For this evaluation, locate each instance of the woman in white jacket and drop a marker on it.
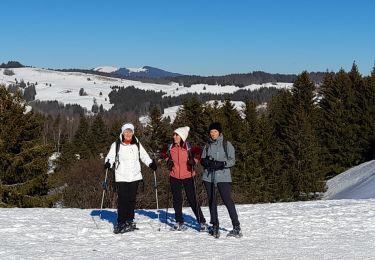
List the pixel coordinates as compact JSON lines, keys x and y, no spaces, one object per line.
{"x":126,"y":162}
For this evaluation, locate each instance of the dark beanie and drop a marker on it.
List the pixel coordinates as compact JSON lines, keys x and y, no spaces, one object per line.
{"x":216,"y":126}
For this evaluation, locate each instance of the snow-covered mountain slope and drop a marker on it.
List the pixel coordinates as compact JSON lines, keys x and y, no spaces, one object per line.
{"x":146,"y":71}
{"x":355,"y":183}
{"x":64,"y":86}
{"x":106,"y":69}
{"x":171,"y":112}
{"x":343,"y":229}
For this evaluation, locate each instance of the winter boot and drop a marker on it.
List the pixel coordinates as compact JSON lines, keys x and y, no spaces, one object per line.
{"x":236,"y":232}
{"x":179,"y":226}
{"x":214,"y":231}
{"x":118,"y":228}
{"x":129,"y":226}
{"x":202,"y":227}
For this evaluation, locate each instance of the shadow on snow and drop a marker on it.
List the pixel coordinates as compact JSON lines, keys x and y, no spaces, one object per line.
{"x":170,"y":220}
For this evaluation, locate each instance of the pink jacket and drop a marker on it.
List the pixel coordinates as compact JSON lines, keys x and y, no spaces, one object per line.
{"x":179,"y":155}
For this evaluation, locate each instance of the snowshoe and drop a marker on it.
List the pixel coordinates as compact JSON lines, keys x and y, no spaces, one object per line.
{"x":179,"y":227}
{"x":118,"y":228}
{"x":214,"y":231}
{"x":121,"y":228}
{"x":202,"y":227}
{"x":236,"y":232}
{"x":129,"y":226}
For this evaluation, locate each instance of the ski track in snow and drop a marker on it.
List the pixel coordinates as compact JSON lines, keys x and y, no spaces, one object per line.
{"x":334,"y":229}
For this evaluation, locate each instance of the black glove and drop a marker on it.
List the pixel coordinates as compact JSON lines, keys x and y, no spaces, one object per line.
{"x":206,"y":163}
{"x":153,"y":165}
{"x":170,"y":164}
{"x":107,"y":165}
{"x":218,"y":165}
{"x":191,"y":162}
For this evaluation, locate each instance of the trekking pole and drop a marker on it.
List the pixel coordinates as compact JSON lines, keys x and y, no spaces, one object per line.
{"x":157,"y":200}
{"x":105,"y":186}
{"x":166,"y":212}
{"x":196,"y":197}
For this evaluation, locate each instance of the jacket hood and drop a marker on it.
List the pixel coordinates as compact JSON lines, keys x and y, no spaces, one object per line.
{"x":220,"y":138}
{"x":133,"y":141}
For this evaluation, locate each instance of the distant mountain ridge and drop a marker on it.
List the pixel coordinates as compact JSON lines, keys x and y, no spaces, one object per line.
{"x":148,"y":74}
{"x":146,"y":71}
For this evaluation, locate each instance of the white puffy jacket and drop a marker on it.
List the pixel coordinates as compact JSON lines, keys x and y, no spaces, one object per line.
{"x":128,"y":168}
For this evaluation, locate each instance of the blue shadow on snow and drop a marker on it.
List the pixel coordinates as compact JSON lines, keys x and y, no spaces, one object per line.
{"x":170,"y":220}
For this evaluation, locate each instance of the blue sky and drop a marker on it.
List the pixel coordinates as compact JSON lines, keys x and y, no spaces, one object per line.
{"x":191,"y":37}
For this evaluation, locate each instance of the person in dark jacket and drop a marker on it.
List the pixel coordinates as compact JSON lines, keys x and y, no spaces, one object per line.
{"x":126,"y":162}
{"x":181,"y":157}
{"x":218,"y":157}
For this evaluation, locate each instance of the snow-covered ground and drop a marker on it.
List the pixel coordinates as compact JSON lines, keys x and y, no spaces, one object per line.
{"x":65,"y":86}
{"x":325,"y":229}
{"x":333,"y":229}
{"x":355,"y":183}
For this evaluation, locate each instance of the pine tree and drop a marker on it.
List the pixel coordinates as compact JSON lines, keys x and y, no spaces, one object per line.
{"x":363,"y":112}
{"x":192,"y":114}
{"x":231,"y":121}
{"x":98,"y":136}
{"x":250,"y":178}
{"x":370,"y":118}
{"x":23,"y":157}
{"x":301,"y":141}
{"x":158,"y":131}
{"x":303,"y":162}
{"x":338,"y":125}
{"x":276,"y":187}
{"x":81,"y":140}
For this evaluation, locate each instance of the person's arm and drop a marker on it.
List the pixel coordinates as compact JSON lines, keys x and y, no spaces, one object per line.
{"x":111,"y":156}
{"x":145,"y":158}
{"x":231,"y":160}
{"x":196,"y":152}
{"x":164,"y":152}
{"x":205,"y":162}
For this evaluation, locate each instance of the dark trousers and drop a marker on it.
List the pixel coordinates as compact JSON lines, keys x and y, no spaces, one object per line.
{"x":176,"y":188}
{"x":126,"y":192}
{"x":225,"y":190}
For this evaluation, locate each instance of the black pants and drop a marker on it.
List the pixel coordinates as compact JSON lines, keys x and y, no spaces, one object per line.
{"x":225,"y":190}
{"x":126,"y":192}
{"x":176,"y":188}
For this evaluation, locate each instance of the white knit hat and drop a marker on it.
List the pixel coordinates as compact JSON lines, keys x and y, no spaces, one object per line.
{"x":127,"y":126}
{"x":183,"y":132}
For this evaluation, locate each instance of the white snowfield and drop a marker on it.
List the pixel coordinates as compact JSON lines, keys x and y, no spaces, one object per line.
{"x":106,"y":69}
{"x":65,"y":86}
{"x":355,"y":183}
{"x":333,"y":229}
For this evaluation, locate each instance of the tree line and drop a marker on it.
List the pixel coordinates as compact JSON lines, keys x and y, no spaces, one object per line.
{"x":285,"y":152}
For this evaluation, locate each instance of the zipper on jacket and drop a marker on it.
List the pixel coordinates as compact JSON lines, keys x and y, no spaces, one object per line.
{"x":179,"y":166}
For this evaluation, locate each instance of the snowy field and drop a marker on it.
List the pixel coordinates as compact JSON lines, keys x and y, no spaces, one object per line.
{"x":332,"y":229}
{"x":65,"y":86}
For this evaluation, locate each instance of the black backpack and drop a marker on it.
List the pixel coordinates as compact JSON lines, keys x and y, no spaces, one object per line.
{"x":225,"y":147}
